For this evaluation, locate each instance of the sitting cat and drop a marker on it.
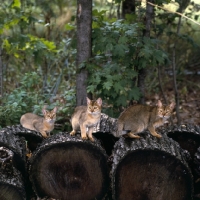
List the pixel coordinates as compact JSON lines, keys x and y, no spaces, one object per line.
{"x":137,"y":118}
{"x":43,"y":125}
{"x":85,"y":118}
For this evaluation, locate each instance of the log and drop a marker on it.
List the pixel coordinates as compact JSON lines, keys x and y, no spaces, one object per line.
{"x":66,"y":167}
{"x":197,"y":174}
{"x":188,"y":137}
{"x":11,"y":180}
{"x":150,"y":168}
{"x":17,"y":145}
{"x":33,"y":138}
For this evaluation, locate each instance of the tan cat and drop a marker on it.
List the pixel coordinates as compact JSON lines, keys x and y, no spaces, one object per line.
{"x":43,"y":125}
{"x":137,"y":118}
{"x":85,"y":117}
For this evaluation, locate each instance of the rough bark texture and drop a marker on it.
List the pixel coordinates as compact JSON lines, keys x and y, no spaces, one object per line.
{"x":66,"y":167}
{"x":84,"y":47}
{"x":33,"y":138}
{"x":17,"y":145}
{"x":11,"y":181}
{"x":150,"y":168}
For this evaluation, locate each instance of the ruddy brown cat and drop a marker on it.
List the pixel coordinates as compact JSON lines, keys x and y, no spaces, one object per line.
{"x":85,"y":118}
{"x":43,"y":125}
{"x":137,"y":118}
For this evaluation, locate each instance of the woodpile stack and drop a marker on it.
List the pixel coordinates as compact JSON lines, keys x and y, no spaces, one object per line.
{"x":68,"y":168}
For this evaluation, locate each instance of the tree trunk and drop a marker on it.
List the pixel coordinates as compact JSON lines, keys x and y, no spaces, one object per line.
{"x":128,"y":7}
{"x":150,"y":168}
{"x":66,"y":167}
{"x":142,"y":73}
{"x":84,"y":48}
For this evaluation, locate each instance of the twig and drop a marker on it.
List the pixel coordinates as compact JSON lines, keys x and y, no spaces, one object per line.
{"x":174,"y":12}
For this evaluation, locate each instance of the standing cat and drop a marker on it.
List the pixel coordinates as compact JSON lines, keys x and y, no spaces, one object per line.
{"x":137,"y":118}
{"x":85,"y":117}
{"x":43,"y":125}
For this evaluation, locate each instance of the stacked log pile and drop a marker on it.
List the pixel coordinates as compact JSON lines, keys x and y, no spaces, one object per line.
{"x":66,"y":167}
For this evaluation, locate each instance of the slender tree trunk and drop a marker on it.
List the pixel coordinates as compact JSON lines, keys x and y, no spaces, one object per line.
{"x":143,"y":72}
{"x":128,"y":7}
{"x":84,"y":49}
{"x":1,"y":74}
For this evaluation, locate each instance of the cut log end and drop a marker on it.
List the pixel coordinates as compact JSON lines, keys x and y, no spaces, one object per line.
{"x":10,"y":192}
{"x":144,"y":174}
{"x":74,"y":169}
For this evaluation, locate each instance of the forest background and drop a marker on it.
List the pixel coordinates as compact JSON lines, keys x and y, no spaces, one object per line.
{"x":140,"y":52}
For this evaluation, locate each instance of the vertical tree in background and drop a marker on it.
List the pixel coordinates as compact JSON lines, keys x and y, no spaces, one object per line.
{"x":146,"y":33}
{"x":84,"y":49}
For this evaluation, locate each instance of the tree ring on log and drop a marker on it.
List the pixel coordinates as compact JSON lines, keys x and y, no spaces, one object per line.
{"x":150,"y":168}
{"x":66,"y":167}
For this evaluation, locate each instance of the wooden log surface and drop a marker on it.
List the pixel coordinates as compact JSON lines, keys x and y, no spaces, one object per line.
{"x":17,"y":145}
{"x":11,"y":180}
{"x":188,"y":137}
{"x":66,"y":167}
{"x":151,"y":168}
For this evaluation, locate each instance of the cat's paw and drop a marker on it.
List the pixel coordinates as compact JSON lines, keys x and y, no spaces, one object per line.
{"x":72,"y":133}
{"x":84,"y":137}
{"x":158,"y":135}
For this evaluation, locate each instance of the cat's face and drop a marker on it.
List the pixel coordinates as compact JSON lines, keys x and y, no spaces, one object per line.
{"x":50,"y":116}
{"x":94,"y":107}
{"x":164,"y":111}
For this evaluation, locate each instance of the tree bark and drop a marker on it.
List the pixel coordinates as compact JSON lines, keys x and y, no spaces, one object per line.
{"x":66,"y":167}
{"x":11,"y":180}
{"x":84,"y":48}
{"x":150,"y":168}
{"x":142,"y":73}
{"x":128,"y":7}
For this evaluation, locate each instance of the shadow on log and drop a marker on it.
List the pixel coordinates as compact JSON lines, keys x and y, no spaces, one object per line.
{"x":150,"y":168}
{"x":66,"y":167}
{"x":11,"y":181}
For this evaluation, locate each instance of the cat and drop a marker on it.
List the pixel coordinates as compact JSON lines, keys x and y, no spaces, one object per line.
{"x":43,"y":125}
{"x":138,"y":117}
{"x":85,"y":118}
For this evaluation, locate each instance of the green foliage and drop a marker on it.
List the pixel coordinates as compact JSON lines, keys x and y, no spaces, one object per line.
{"x":120,"y":52}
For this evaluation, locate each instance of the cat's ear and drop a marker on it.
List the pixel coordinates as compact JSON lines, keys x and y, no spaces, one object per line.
{"x":55,"y":109}
{"x":88,"y":100}
{"x":172,"y":105}
{"x":159,"y":104}
{"x":44,"y":111}
{"x":99,"y":101}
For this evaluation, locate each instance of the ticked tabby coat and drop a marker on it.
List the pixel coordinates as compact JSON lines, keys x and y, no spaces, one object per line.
{"x":44,"y":125}
{"x":85,"y":118}
{"x":137,"y":118}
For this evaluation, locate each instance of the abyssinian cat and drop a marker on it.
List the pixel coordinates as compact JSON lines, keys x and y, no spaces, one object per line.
{"x":85,"y":118}
{"x":137,"y":118}
{"x":43,"y":125}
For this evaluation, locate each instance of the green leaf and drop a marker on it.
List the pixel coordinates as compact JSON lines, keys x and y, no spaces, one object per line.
{"x":69,"y":27}
{"x":16,"y":4}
